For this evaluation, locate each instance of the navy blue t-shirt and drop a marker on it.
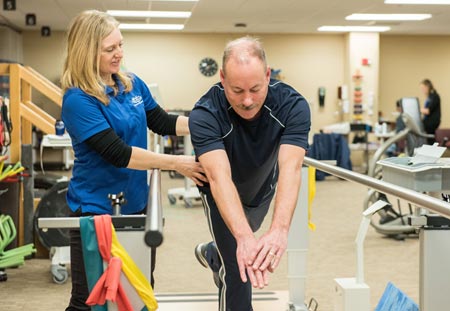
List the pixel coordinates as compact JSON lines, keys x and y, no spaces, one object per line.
{"x":93,"y":178}
{"x":252,"y":146}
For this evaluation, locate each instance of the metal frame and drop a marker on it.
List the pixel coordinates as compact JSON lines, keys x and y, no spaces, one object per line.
{"x":429,"y":248}
{"x":414,"y":197}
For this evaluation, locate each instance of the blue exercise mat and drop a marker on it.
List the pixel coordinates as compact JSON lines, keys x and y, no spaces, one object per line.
{"x":394,"y":299}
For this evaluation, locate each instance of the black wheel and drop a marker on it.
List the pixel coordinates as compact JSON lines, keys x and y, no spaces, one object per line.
{"x":172,"y":199}
{"x":53,"y":204}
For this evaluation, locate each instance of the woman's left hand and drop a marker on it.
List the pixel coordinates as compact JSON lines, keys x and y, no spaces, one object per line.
{"x":187,"y":166}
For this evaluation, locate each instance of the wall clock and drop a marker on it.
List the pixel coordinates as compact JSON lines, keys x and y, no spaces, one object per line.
{"x":208,"y":67}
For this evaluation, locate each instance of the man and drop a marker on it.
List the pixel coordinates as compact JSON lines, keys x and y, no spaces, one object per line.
{"x":249,"y":133}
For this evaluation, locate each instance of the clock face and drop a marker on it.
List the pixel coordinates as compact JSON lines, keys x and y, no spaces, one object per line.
{"x":208,"y":67}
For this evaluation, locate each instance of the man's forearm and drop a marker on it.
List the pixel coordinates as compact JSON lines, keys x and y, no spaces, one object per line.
{"x":290,"y":162}
{"x":286,"y":200}
{"x":230,"y":206}
{"x":225,"y":194}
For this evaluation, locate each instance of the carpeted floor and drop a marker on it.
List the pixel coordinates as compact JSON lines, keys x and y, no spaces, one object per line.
{"x":336,"y":213}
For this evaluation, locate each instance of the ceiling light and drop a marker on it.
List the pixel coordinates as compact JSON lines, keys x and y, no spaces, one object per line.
{"x":171,"y":0}
{"x":151,"y":26}
{"x":442,"y":2}
{"x":354,"y":28}
{"x":388,"y":17}
{"x":147,"y":14}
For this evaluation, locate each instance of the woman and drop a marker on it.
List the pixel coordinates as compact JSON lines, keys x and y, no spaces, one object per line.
{"x":431,"y":110}
{"x":106,"y":113}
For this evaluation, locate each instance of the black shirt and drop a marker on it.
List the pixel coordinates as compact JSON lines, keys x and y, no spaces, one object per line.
{"x":252,"y":146}
{"x":433,"y":119}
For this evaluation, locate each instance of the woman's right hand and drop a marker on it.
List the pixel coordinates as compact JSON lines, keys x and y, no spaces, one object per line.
{"x":187,"y":166}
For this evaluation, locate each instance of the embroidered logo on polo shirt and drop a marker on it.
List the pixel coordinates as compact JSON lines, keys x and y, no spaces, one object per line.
{"x":137,"y":100}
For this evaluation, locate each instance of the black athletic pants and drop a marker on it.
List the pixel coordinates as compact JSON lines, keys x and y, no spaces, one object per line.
{"x":234,"y":295}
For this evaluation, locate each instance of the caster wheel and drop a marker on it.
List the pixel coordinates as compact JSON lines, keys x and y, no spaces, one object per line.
{"x":60,"y":275}
{"x":3,"y":276}
{"x":172,"y":199}
{"x":188,"y":203}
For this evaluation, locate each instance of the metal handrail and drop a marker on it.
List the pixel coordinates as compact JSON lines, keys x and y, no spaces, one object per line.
{"x":154,"y":222}
{"x":153,"y":235}
{"x":414,"y":197}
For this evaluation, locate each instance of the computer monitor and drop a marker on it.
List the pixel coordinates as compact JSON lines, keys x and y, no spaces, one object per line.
{"x":411,"y":107}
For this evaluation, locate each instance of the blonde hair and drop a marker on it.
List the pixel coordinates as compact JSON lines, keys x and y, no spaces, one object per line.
{"x":243,"y":48}
{"x":82,"y":64}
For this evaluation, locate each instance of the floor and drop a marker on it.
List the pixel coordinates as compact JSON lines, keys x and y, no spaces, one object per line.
{"x":336,"y":213}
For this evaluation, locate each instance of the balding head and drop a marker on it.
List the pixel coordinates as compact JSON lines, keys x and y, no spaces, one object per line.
{"x":242,"y":50}
{"x":245,"y":76}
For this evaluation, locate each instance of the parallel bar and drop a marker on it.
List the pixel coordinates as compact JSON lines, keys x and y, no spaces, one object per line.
{"x":120,"y":222}
{"x":425,"y":201}
{"x":154,"y":222}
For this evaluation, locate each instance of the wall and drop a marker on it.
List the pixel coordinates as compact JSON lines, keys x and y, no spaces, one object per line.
{"x":11,"y":45}
{"x":45,"y":54}
{"x":171,"y":61}
{"x":359,"y":46}
{"x":407,"y":60}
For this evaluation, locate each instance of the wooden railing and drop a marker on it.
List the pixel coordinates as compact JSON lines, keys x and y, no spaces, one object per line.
{"x":24,"y":113}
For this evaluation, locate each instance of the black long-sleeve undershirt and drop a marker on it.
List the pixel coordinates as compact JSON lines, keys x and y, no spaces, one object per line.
{"x":116,"y":152}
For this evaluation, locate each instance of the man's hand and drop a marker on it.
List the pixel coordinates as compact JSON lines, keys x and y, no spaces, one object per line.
{"x":247,"y":249}
{"x":272,"y":246}
{"x":245,"y":254}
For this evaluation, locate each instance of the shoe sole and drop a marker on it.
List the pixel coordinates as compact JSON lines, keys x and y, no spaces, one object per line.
{"x":198,"y":254}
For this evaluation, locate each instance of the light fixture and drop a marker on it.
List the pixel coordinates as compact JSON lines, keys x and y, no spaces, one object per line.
{"x":151,"y":26}
{"x":170,"y":0}
{"x":354,"y":28}
{"x":388,"y":17}
{"x":149,"y":14}
{"x":430,"y":2}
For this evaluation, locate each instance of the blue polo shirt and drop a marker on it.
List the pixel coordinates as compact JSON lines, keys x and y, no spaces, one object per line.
{"x":93,"y":178}
{"x":252,"y":146}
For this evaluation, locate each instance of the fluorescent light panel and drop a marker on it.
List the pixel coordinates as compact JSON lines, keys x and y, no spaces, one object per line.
{"x":438,"y":2}
{"x":151,"y":26}
{"x":388,"y":17}
{"x":354,"y":28}
{"x":170,"y":0}
{"x":151,"y":14}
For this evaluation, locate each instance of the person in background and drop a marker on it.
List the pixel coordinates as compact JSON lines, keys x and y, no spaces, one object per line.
{"x":106,"y":113}
{"x":432,"y":109}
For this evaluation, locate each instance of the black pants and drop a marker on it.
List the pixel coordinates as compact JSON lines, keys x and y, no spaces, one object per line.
{"x":80,"y":291}
{"x":234,"y":295}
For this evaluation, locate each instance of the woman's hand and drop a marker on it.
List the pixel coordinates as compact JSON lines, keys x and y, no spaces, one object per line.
{"x":187,"y":166}
{"x":425,"y":111}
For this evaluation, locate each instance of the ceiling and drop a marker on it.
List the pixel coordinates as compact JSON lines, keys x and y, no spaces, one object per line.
{"x":261,"y":16}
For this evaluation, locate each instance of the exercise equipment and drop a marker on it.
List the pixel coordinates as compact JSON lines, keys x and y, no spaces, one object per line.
{"x":135,"y":232}
{"x":393,"y":222}
{"x":56,"y":240}
{"x":353,"y":294}
{"x":427,"y":172}
{"x":13,"y":257}
{"x":434,"y":232}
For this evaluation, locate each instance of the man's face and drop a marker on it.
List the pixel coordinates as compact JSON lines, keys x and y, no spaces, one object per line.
{"x":246,"y":85}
